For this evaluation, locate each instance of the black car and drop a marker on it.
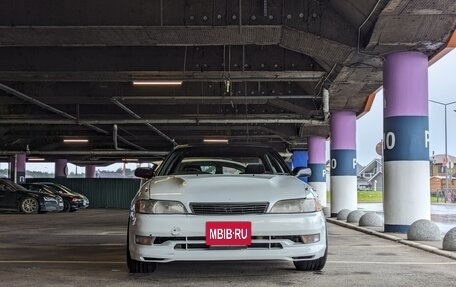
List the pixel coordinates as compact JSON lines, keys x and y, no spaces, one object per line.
{"x":16,"y":197}
{"x":81,"y":200}
{"x":71,"y":202}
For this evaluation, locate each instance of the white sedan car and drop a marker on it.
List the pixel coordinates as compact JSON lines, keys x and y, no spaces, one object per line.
{"x":224,"y":202}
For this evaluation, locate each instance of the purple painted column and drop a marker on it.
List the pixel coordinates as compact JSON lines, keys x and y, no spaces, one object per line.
{"x":343,"y":162}
{"x":317,"y":163}
{"x":61,"y":168}
{"x":19,"y":168}
{"x":406,"y":140}
{"x":90,"y":171}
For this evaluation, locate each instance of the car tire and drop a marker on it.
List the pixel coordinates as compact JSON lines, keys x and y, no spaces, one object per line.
{"x":29,"y":205}
{"x":313,"y":265}
{"x":66,"y":207}
{"x":135,"y":266}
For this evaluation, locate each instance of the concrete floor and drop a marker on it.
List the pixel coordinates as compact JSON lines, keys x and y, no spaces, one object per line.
{"x":87,"y":248}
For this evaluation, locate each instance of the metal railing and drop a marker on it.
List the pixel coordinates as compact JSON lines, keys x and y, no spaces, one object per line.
{"x":446,"y":195}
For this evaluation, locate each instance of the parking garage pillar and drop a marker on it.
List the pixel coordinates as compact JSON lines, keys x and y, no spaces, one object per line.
{"x":18,"y":168}
{"x":61,"y":168}
{"x":343,"y":162}
{"x":300,"y":159}
{"x":90,"y":171}
{"x":317,"y":163}
{"x":406,"y":140}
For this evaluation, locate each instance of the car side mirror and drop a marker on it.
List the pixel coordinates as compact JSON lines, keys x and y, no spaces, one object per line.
{"x":302,"y":171}
{"x":145,"y":172}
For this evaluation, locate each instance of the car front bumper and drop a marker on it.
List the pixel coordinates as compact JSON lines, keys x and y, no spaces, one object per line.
{"x":83,"y":203}
{"x":184,"y":238}
{"x":47,"y":206}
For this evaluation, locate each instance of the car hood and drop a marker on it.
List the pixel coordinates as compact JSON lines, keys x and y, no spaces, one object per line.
{"x":227,"y":188}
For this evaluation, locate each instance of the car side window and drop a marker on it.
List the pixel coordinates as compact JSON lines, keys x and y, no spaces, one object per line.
{"x":2,"y":186}
{"x":5,"y":187}
{"x":276,"y":166}
{"x":209,"y":169}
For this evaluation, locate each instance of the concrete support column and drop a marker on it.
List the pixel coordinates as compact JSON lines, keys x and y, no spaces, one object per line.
{"x":90,"y":171}
{"x":61,"y":168}
{"x":317,"y":163}
{"x":300,"y":159}
{"x":18,"y":168}
{"x":406,"y":140}
{"x":343,"y":162}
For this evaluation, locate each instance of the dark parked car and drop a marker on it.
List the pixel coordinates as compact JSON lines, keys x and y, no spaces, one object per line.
{"x":15,"y":197}
{"x":82,"y":201}
{"x":71,"y":202}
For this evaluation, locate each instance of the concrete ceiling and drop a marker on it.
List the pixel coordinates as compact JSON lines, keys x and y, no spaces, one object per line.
{"x":252,"y":71}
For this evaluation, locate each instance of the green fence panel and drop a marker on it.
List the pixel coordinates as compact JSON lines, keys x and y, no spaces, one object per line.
{"x":101,"y":192}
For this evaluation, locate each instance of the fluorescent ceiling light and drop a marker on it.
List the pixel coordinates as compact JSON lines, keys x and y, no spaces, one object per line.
{"x":35,"y":159}
{"x":75,"y":140}
{"x":130,"y":160}
{"x":215,"y":140}
{"x":147,"y":83}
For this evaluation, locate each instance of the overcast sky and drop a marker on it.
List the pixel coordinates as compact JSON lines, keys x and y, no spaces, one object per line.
{"x":442,"y":80}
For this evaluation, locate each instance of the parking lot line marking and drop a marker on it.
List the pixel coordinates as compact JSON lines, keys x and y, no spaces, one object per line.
{"x":122,"y":262}
{"x":392,"y":263}
{"x":59,"y":262}
{"x":89,"y":245}
{"x":365,"y":246}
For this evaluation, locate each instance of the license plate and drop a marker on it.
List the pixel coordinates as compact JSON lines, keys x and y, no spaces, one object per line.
{"x":228,"y":233}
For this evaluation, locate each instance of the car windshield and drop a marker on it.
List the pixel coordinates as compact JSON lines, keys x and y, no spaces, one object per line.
{"x":227,"y":160}
{"x":38,"y":188}
{"x":15,"y":186}
{"x":46,"y":190}
{"x":58,"y":188}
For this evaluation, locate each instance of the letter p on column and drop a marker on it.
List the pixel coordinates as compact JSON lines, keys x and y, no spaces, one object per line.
{"x":426,"y":139}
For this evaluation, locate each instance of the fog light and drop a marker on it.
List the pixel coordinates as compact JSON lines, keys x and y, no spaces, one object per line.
{"x":311,"y":238}
{"x":144,"y":240}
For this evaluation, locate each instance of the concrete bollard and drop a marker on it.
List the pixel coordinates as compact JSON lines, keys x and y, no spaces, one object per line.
{"x":354,"y":216}
{"x":342,"y":215}
{"x":326,"y":211}
{"x":371,"y":219}
{"x":449,"y":241}
{"x":423,"y":230}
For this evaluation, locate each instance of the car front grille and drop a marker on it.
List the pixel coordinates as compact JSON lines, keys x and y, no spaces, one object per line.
{"x":229,"y":208}
{"x":199,"y":242}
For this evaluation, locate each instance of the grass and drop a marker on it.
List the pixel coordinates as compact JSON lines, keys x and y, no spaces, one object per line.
{"x":371,"y":196}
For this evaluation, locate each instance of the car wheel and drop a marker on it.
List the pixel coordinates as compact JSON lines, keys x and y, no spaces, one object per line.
{"x":66,"y":207}
{"x":313,"y":265}
{"x":29,"y":205}
{"x":135,"y":266}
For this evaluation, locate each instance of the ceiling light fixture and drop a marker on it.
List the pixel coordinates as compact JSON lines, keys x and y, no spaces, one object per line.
{"x":129,"y":160}
{"x":36,"y":159}
{"x":163,"y":83}
{"x":75,"y":140}
{"x":215,"y":141}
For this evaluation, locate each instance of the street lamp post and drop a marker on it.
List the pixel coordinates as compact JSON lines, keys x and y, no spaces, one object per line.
{"x":447,"y":165}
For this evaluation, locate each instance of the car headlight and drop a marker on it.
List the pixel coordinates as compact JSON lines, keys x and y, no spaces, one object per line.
{"x":300,"y":205}
{"x":159,"y":207}
{"x":47,"y":198}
